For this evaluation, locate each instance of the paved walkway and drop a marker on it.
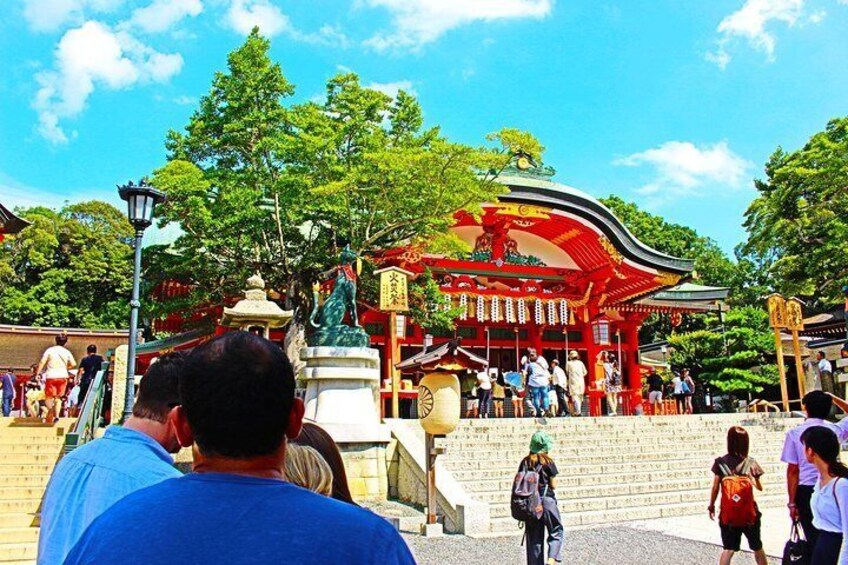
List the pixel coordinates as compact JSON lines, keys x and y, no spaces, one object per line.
{"x":615,"y":545}
{"x":775,"y":530}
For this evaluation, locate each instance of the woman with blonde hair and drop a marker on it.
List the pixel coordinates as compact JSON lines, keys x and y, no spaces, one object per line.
{"x":539,"y":461}
{"x":306,"y":468}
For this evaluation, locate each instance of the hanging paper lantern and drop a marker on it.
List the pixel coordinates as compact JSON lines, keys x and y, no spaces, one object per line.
{"x":563,"y":311}
{"x":552,"y":313}
{"x":439,"y":403}
{"x":510,"y":310}
{"x":539,"y":312}
{"x":481,"y":309}
{"x":522,"y":312}
{"x":463,"y":304}
{"x":496,"y":309}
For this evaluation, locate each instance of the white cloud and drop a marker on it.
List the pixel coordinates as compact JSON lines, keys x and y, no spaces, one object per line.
{"x":244,"y":15}
{"x":50,"y":15}
{"x":683,"y":168}
{"x":94,"y":54}
{"x":754,"y":22}
{"x":392,"y":88}
{"x":185,"y":100}
{"x":161,"y":15}
{"x":418,"y":22}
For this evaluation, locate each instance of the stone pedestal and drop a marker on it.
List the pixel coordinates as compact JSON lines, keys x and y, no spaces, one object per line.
{"x":342,"y":396}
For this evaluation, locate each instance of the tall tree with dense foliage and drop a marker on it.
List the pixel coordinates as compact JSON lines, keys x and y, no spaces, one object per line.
{"x":70,"y":268}
{"x":798,"y":225}
{"x":258,"y":185}
{"x":734,"y":359}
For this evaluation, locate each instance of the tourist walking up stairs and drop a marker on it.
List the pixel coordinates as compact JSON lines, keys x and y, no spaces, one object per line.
{"x":829,"y":501}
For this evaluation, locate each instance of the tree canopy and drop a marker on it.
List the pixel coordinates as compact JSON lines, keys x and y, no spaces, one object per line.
{"x":259,"y":185}
{"x":798,"y":225}
{"x":70,"y":268}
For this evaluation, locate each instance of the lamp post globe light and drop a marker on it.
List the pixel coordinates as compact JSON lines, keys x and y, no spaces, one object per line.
{"x":141,"y":200}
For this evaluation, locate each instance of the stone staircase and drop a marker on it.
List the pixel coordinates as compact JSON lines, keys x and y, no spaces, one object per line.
{"x":28,"y":452}
{"x":613,"y":469}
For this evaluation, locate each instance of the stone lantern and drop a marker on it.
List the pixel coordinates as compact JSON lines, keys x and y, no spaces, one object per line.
{"x":255,"y":310}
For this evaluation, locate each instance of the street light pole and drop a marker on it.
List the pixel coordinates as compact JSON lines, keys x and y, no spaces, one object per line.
{"x":135,"y":304}
{"x":141,"y":200}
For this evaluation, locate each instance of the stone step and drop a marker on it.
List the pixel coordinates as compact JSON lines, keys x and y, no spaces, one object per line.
{"x":471,"y":471}
{"x":18,"y":506}
{"x":18,"y":552}
{"x":499,"y":451}
{"x":576,"y":435}
{"x":626,"y":423}
{"x":622,"y":489}
{"x":54,"y":449}
{"x":21,"y":493}
{"x":566,"y":481}
{"x":24,"y":480}
{"x":17,"y":520}
{"x":498,"y":461}
{"x":18,"y":535}
{"x":30,"y":458}
{"x":34,"y":423}
{"x":505,"y":524}
{"x":31,"y":469}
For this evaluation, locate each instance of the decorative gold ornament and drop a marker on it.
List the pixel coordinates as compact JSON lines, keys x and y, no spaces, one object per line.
{"x":667,"y":279}
{"x":523,"y":163}
{"x":523,"y":211}
{"x":613,"y":253}
{"x":565,"y":236}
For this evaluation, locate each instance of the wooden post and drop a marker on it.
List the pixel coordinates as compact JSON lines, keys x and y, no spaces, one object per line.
{"x":799,"y":366}
{"x":430,"y":470}
{"x":778,"y":348}
{"x":392,"y":371}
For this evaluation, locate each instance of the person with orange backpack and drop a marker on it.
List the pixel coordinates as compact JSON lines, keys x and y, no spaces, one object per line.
{"x":736,"y":476}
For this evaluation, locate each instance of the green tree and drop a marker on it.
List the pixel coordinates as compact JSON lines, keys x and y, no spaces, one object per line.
{"x":798,"y":225}
{"x":70,"y":268}
{"x":258,"y":185}
{"x":738,"y":360}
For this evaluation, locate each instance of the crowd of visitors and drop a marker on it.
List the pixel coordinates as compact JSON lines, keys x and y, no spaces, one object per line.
{"x":232,"y":400}
{"x":56,"y":385}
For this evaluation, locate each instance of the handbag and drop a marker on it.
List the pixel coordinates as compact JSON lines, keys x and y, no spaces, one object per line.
{"x":797,"y":549}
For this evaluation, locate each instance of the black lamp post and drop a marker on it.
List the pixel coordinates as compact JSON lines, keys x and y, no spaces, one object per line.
{"x":141,"y":200}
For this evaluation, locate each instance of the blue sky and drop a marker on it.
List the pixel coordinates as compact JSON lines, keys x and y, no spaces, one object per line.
{"x":675,"y":104}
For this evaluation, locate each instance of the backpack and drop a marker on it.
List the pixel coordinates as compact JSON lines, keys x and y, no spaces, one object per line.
{"x":525,"y":501}
{"x":738,"y":508}
{"x":615,"y":379}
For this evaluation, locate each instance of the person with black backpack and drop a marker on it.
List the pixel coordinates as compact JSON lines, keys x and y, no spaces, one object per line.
{"x":735,"y":477}
{"x":534,"y":503}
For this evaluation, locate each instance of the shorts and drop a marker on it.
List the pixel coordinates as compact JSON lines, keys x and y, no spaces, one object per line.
{"x":731,"y":537}
{"x":35,"y":395}
{"x":472,"y":402}
{"x":498,"y":400}
{"x":55,"y":388}
{"x":655,"y":396}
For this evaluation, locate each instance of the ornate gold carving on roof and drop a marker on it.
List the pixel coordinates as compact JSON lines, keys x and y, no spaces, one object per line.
{"x":524,"y":211}
{"x":565,"y":236}
{"x":667,"y":279}
{"x":608,"y":246}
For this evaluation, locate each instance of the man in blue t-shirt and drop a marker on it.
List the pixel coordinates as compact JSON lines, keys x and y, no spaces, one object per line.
{"x":237,"y":410}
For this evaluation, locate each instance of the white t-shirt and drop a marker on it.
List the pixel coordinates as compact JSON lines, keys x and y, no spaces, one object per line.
{"x":483,"y":381}
{"x":793,"y":449}
{"x":57,"y":361}
{"x":825,"y":367}
{"x":830,"y":516}
{"x":559,"y":377}
{"x":539,"y":375}
{"x":678,"y":385}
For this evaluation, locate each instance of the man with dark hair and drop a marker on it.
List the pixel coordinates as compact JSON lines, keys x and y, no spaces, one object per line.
{"x":7,"y":383}
{"x":238,"y":411}
{"x":88,"y":368}
{"x":801,"y":476}
{"x":127,"y":458}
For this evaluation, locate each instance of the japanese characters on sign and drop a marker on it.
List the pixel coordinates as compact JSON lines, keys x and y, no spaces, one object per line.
{"x":394,"y":296}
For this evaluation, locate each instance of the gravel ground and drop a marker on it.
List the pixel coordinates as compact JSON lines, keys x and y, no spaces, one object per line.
{"x":598,"y":546}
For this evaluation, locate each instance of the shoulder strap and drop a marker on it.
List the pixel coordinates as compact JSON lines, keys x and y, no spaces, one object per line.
{"x":836,"y":498}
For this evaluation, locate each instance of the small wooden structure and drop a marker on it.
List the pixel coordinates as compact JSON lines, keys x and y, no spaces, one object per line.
{"x":438,"y":400}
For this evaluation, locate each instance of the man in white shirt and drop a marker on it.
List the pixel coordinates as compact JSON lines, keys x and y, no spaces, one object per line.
{"x":801,"y":476}
{"x":825,"y":370}
{"x":56,"y":362}
{"x":577,"y":372}
{"x":560,"y":382}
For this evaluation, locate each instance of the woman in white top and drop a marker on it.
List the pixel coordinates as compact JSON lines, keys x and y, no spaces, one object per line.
{"x":679,"y":397}
{"x":830,"y":496}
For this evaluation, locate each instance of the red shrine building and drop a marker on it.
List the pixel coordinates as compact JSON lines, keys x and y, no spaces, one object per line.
{"x":550,"y":268}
